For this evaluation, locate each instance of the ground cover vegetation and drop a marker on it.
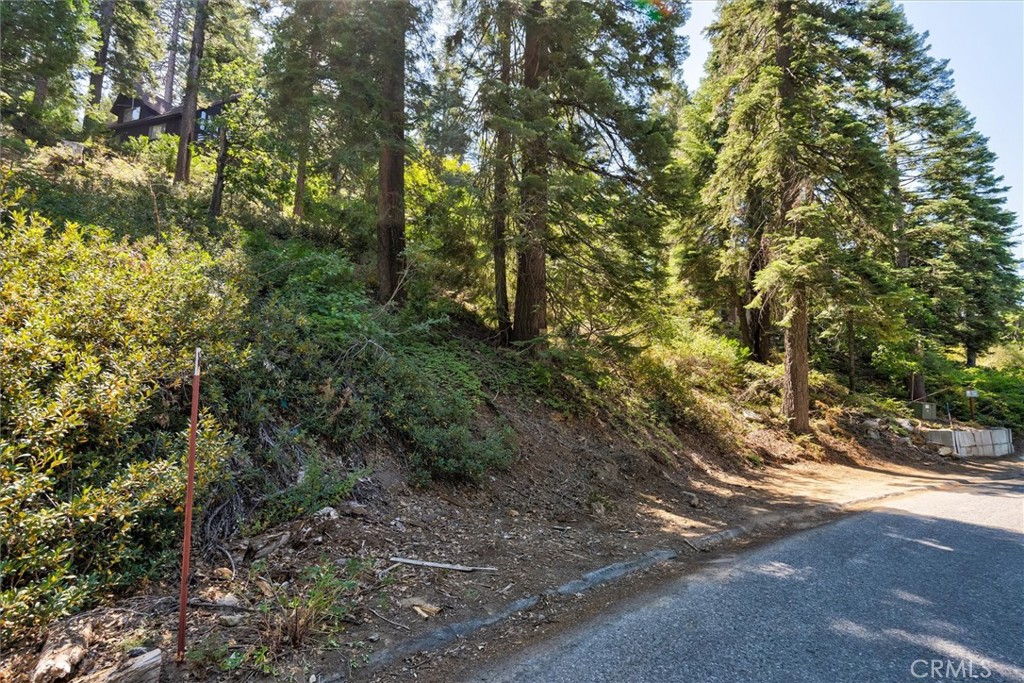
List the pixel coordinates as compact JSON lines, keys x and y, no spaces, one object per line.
{"x":414,"y":217}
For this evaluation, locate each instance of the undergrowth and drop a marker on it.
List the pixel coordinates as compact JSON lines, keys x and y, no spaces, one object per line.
{"x":110,"y":277}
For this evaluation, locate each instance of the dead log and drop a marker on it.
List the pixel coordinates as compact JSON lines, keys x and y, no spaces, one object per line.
{"x":142,"y":669}
{"x":442,"y":565}
{"x":63,"y":652}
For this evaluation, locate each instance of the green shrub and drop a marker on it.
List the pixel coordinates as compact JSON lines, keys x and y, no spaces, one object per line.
{"x":92,"y":330}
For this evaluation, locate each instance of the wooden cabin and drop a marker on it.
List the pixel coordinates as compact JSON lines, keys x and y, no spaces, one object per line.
{"x":140,"y":115}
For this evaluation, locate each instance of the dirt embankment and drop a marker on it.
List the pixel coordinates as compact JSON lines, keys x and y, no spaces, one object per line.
{"x":578,"y":498}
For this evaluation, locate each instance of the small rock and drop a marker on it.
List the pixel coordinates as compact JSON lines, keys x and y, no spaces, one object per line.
{"x":356,"y":509}
{"x":751,"y":415}
{"x":228,"y":600}
{"x":229,"y":619}
{"x":223,"y":574}
{"x":597,"y":508}
{"x":905,"y":424}
{"x":312,"y":678}
{"x":136,"y":652}
{"x":373,"y":637}
{"x":692,"y":499}
{"x":873,"y":423}
{"x":874,"y":434}
{"x":327,"y":513}
{"x":512,"y":512}
{"x":945,"y":450}
{"x":905,"y":440}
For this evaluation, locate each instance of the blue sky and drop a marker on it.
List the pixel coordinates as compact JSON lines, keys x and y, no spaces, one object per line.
{"x":984,"y":42}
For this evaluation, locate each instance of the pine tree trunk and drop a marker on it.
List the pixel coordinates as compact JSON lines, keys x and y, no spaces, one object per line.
{"x":742,"y":316}
{"x":182,"y":169}
{"x":299,"y":204}
{"x":172,"y":53}
{"x":972,"y":357}
{"x":531,"y":274}
{"x":391,"y":170}
{"x":795,"y":391}
{"x":106,"y":25}
{"x":502,"y":162}
{"x":796,"y":398}
{"x":918,"y":391}
{"x":40,"y":92}
{"x":217,"y":200}
{"x":896,"y":193}
{"x":851,"y":357}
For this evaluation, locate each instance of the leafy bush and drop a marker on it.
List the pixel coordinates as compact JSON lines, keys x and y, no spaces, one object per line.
{"x":92,"y":331}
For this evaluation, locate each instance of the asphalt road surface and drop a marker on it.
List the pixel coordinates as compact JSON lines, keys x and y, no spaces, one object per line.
{"x":927,"y":588}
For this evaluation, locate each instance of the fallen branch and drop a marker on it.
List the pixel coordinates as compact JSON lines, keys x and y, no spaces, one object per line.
{"x":441,"y":565}
{"x":381,"y":616}
{"x":234,"y":572}
{"x":692,"y":545}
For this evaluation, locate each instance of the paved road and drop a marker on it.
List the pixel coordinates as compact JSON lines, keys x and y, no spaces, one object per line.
{"x":927,"y":588}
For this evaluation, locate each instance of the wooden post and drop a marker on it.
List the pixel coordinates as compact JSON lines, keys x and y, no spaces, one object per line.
{"x":186,"y":549}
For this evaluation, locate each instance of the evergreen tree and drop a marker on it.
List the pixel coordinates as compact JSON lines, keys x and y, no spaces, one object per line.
{"x":951,"y":237}
{"x":395,"y":17}
{"x":41,"y":48}
{"x":972,"y":274}
{"x":126,"y":50}
{"x":795,"y":174}
{"x":295,"y":69}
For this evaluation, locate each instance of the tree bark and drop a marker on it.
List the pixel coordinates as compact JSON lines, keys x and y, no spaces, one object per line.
{"x":40,"y":92}
{"x":299,"y":205}
{"x":531,"y":275}
{"x":972,"y":357}
{"x":182,"y":169}
{"x":391,"y":170}
{"x":172,"y":53}
{"x":795,"y":390}
{"x":106,"y":26}
{"x":796,"y":399}
{"x":918,"y":391}
{"x":851,"y":356}
{"x":502,"y":163}
{"x":217,"y":200}
{"x":902,"y":257}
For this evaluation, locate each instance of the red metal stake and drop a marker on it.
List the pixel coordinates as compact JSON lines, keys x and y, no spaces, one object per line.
{"x":189,"y":487}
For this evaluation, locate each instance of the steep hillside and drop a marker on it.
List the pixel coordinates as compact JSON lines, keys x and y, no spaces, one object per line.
{"x":408,"y":420}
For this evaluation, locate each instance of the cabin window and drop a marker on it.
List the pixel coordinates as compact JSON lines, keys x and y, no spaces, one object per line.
{"x":156,"y":131}
{"x":134,"y":113}
{"x":202,"y":125}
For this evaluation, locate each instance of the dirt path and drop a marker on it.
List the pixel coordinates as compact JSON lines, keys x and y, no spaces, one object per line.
{"x":794,"y":488}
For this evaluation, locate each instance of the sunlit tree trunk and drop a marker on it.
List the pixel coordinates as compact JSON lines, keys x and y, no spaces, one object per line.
{"x":502,"y":163}
{"x":531,"y":274}
{"x":182,"y":169}
{"x":172,"y":52}
{"x":795,"y":390}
